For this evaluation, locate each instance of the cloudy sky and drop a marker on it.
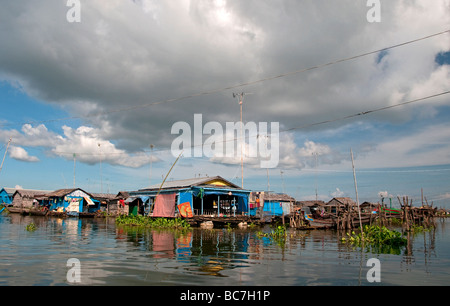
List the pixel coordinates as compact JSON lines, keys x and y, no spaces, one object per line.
{"x":110,"y":87}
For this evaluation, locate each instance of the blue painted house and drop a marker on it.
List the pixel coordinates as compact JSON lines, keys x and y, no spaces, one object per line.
{"x":6,"y":197}
{"x":74,"y":201}
{"x":196,"y":196}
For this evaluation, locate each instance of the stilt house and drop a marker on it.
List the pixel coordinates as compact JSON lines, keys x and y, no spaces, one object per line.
{"x":196,"y":196}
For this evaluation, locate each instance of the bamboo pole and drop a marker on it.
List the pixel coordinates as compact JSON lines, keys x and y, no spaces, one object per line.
{"x":357,"y":199}
{"x":160,"y":187}
{"x":4,"y":156}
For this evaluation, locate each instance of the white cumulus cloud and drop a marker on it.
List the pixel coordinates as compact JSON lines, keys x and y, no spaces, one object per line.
{"x":19,"y":153}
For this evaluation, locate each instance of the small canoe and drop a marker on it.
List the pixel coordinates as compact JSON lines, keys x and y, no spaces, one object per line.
{"x":392,"y":211}
{"x":38,"y":212}
{"x":319,"y":223}
{"x":16,"y":210}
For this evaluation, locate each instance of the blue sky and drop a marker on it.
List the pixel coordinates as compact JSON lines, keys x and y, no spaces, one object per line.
{"x":110,"y":86}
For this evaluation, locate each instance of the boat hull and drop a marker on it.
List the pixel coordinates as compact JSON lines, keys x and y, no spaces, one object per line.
{"x":320,"y":223}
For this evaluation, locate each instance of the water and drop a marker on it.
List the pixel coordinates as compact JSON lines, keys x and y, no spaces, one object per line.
{"x":116,"y":255}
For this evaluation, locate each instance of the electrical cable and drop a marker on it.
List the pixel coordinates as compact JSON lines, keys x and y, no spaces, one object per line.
{"x":298,"y":127}
{"x":129,"y":108}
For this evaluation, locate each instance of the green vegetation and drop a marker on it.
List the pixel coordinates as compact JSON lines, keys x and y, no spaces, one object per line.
{"x":278,"y":235}
{"x":152,"y":222}
{"x":228,"y":227}
{"x":31,"y":227}
{"x":396,"y":221}
{"x":415,"y":229}
{"x":376,"y":235}
{"x":252,"y":225}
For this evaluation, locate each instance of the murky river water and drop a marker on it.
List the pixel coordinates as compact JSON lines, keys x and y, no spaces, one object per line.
{"x":117,"y":255}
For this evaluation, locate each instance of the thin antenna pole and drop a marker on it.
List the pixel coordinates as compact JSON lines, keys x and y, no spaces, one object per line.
{"x":357,"y":199}
{"x":267,"y":169}
{"x":282,"y":180}
{"x":241,"y":98}
{"x":4,"y":156}
{"x":74,"y":167}
{"x":315,"y":177}
{"x":151,"y":163}
{"x":101,"y":174}
{"x":242,"y":142}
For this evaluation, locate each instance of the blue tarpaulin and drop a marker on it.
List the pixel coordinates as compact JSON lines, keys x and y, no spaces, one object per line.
{"x":274,"y":208}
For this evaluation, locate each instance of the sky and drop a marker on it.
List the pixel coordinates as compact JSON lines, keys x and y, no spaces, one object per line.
{"x":90,"y":92}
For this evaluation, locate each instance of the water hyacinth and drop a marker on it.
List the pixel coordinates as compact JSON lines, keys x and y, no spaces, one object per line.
{"x":152,"y":222}
{"x":376,"y":235}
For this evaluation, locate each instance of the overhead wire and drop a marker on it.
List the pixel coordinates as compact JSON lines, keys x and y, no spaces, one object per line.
{"x":209,"y":92}
{"x":292,"y":128}
{"x":367,"y":112}
{"x":129,"y":108}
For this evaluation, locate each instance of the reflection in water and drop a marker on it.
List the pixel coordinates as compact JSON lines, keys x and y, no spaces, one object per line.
{"x":199,"y":251}
{"x":123,"y":255}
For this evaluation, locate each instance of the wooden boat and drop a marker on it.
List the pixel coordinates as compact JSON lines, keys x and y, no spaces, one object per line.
{"x":15,"y":210}
{"x":27,"y":211}
{"x":37,"y":212}
{"x":317,"y":222}
{"x":391,"y":211}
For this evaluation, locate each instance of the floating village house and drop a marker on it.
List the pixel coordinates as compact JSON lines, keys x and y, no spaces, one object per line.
{"x":117,"y":205}
{"x":113,"y":204}
{"x":71,"y":201}
{"x":213,"y":196}
{"x":106,"y":200}
{"x":27,"y":198}
{"x":265,"y":203}
{"x":6,"y":196}
{"x":341,"y":202}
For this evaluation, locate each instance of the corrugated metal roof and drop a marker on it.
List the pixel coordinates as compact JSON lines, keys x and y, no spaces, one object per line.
{"x":103,"y":196}
{"x":342,"y":200}
{"x":278,"y":197}
{"x":30,"y":192}
{"x":63,"y":192}
{"x":188,"y":183}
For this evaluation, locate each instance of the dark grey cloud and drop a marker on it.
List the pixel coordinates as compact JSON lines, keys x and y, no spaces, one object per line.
{"x":125,"y":55}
